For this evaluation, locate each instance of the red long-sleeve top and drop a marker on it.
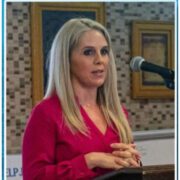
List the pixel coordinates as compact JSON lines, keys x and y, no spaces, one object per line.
{"x":52,"y":152}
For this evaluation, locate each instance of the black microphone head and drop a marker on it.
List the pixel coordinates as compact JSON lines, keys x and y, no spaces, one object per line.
{"x":135,"y":63}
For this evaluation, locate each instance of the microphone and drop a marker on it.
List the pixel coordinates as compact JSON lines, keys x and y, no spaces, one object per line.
{"x":138,"y":63}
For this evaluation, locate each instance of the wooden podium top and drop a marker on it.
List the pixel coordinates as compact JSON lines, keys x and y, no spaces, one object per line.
{"x":156,"y":172}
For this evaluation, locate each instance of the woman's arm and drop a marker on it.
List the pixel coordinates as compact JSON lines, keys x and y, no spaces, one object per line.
{"x":39,"y":152}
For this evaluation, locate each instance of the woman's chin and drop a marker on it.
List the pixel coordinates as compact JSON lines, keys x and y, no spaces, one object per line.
{"x":98,"y":84}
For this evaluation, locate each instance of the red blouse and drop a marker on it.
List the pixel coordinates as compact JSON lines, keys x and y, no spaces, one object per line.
{"x":51,"y":152}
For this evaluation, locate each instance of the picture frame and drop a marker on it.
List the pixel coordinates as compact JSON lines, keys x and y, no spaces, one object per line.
{"x":46,"y":19}
{"x":154,"y":42}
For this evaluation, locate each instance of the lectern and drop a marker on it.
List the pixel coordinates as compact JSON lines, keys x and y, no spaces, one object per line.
{"x":123,"y":174}
{"x":156,"y":172}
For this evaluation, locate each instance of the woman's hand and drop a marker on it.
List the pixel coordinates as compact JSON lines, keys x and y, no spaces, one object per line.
{"x":124,"y":155}
{"x":110,"y":161}
{"x":104,"y":160}
{"x":127,"y":152}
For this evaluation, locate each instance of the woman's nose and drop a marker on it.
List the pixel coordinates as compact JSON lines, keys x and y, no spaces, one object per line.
{"x":98,"y":58}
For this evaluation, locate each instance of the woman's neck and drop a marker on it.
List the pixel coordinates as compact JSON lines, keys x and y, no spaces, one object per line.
{"x":86,"y":96}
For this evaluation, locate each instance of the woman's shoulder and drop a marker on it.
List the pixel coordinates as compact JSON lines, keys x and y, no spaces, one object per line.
{"x":45,"y":115}
{"x":48,"y":105}
{"x":49,"y":102}
{"x":47,"y":111}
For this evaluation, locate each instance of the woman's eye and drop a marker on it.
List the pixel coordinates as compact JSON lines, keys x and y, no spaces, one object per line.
{"x":88,"y":52}
{"x":105,"y":51}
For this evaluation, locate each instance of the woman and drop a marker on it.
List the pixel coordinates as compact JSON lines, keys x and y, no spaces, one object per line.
{"x":79,"y":130}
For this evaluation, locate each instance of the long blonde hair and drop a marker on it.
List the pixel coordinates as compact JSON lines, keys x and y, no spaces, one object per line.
{"x":60,"y":80}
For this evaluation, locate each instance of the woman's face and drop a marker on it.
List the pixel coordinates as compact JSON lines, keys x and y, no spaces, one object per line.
{"x":89,"y":60}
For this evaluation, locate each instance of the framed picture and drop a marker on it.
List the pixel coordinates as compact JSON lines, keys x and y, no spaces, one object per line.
{"x":46,"y":20}
{"x":154,"y":41}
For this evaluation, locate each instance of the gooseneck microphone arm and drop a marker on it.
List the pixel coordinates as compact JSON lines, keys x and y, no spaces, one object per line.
{"x":138,"y":63}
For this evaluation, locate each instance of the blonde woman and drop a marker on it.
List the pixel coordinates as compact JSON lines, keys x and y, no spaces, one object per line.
{"x":79,"y":130}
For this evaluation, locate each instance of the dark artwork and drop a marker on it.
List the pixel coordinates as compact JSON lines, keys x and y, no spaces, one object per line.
{"x":51,"y":23}
{"x":155,"y":50}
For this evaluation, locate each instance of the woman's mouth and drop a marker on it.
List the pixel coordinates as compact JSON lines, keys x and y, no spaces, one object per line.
{"x":98,"y":72}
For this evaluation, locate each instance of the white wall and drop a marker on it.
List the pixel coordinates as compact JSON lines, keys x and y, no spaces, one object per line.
{"x":156,"y":147}
{"x":156,"y":152}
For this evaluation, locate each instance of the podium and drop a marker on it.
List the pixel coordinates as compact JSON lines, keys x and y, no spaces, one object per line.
{"x":159,"y":172}
{"x":156,"y":172}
